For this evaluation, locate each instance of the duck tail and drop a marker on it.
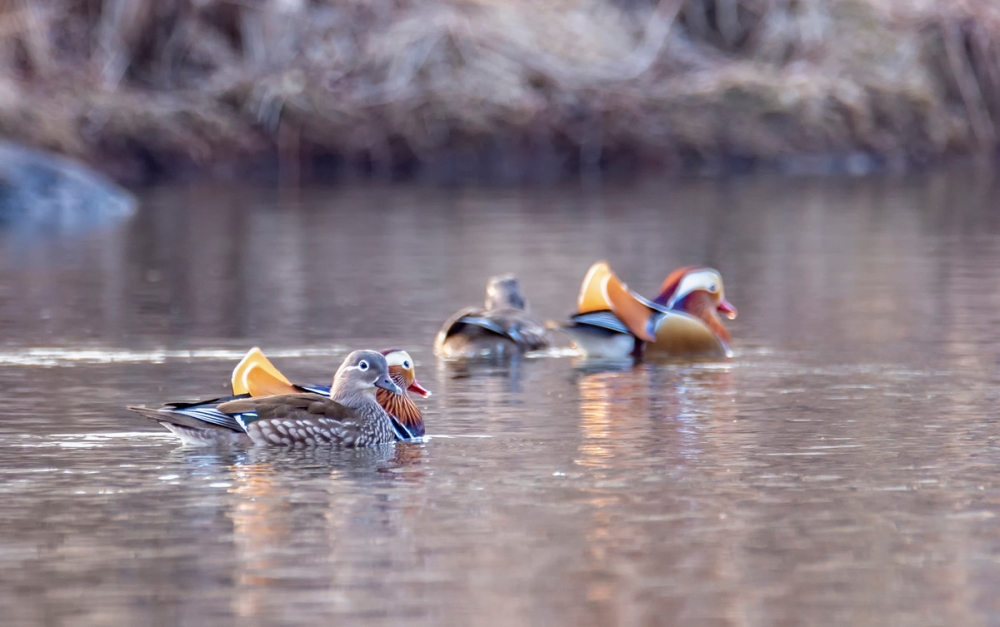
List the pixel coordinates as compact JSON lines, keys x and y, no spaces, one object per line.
{"x":148,"y":412}
{"x":191,"y":431}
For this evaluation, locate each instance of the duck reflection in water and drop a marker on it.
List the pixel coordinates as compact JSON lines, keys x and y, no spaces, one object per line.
{"x":681,"y":416}
{"x":625,"y":411}
{"x":266,"y":403}
{"x":482,"y":387}
{"x":286,"y":503}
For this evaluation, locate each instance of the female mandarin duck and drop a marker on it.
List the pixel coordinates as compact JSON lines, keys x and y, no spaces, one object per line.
{"x":348,"y":415}
{"x":255,"y":375}
{"x":682,"y":322}
{"x":503,"y":326}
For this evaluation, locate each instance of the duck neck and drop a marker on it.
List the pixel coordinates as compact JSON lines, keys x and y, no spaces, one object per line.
{"x":702,"y":306}
{"x":351,"y":396}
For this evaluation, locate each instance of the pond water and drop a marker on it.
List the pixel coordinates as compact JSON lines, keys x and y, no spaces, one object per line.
{"x":841,"y":470}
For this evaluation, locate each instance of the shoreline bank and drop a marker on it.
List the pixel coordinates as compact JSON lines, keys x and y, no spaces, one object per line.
{"x":505,"y":92}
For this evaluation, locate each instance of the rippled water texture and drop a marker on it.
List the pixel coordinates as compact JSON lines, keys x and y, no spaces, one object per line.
{"x":841,"y":470}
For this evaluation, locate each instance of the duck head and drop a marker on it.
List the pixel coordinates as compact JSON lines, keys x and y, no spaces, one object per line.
{"x":359,"y":375}
{"x":401,"y":371}
{"x":400,"y":406}
{"x":504,"y":292}
{"x":699,"y":292}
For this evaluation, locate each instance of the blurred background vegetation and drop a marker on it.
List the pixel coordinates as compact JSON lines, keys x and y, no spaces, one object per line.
{"x":509,"y":90}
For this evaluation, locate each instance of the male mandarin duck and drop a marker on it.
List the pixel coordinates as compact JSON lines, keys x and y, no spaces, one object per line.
{"x":682,"y":322}
{"x":503,"y":326}
{"x":264,"y":394}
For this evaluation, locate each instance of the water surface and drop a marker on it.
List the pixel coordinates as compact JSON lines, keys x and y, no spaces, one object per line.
{"x":840,"y":470}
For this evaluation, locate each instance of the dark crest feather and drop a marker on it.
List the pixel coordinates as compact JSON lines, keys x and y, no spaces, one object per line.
{"x":671,"y":282}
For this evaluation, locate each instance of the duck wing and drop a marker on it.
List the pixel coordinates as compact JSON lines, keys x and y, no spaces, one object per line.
{"x":198,"y":414}
{"x":207,"y":412}
{"x":322,"y":390}
{"x":526,"y":330}
{"x":514,"y":324}
{"x":600,"y":319}
{"x":182,"y":418}
{"x":455,"y":322}
{"x":296,"y":419}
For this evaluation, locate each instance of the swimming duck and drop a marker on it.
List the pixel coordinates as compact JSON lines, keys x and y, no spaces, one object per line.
{"x":255,"y":375}
{"x":348,"y":416}
{"x":503,"y":326}
{"x":681,"y":322}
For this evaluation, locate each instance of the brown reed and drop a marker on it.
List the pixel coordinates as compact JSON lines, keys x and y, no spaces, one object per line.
{"x":558,"y":84}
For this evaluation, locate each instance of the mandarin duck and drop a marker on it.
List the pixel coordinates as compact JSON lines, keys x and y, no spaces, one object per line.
{"x":349,"y":415}
{"x":255,"y":375}
{"x":503,"y":326}
{"x":682,"y":322}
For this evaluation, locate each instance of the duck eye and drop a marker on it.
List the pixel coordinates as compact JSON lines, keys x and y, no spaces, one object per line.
{"x":713,"y":288}
{"x":406,"y":365}
{"x":362,"y":365}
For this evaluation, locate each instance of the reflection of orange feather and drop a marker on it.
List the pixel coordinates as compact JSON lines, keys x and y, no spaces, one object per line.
{"x":256,"y":367}
{"x":612,"y":404}
{"x":592,"y":290}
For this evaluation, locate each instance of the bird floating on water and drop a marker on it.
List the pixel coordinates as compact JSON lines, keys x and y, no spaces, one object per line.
{"x":502,"y":327}
{"x":682,"y":322}
{"x":348,"y":413}
{"x":255,"y":375}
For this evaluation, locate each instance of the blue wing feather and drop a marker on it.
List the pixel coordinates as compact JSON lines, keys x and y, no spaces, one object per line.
{"x":208,"y":411}
{"x":655,"y":306}
{"x":601,"y":319}
{"x":484,"y":322}
{"x":323,"y":390}
{"x":402,"y":433}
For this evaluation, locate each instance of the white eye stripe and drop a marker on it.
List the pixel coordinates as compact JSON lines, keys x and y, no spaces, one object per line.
{"x":399,"y":358}
{"x":708,"y":280}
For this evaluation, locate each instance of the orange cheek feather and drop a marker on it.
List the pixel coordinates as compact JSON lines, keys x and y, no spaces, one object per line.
{"x":701,"y":306}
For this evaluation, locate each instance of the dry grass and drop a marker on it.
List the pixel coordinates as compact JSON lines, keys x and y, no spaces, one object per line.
{"x":554,"y":83}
